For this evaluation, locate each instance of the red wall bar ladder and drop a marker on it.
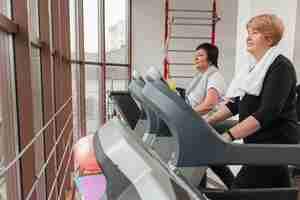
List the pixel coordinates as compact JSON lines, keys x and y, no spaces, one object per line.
{"x":171,"y":21}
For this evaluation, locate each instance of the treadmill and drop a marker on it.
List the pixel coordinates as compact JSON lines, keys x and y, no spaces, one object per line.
{"x":195,"y":135}
{"x":155,"y":132}
{"x":134,"y":171}
{"x":131,"y":107}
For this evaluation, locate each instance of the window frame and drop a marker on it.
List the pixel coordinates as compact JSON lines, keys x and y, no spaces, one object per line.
{"x":9,"y":109}
{"x":102,"y":64}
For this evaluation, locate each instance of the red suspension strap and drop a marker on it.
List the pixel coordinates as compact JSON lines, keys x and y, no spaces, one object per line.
{"x":166,"y":41}
{"x":214,"y":17}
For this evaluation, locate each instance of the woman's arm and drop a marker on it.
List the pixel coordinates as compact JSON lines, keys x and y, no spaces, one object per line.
{"x":222,"y":114}
{"x":245,"y":128}
{"x":210,"y":101}
{"x":276,"y":90}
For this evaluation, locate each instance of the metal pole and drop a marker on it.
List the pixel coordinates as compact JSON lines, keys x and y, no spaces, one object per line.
{"x":214,"y":18}
{"x":82,"y":81}
{"x":166,"y":64}
{"x":130,"y":41}
{"x":191,"y":24}
{"x":25,"y":94}
{"x":192,"y":18}
{"x":190,"y":10}
{"x":190,"y":38}
{"x":181,"y":50}
{"x":103,"y":60}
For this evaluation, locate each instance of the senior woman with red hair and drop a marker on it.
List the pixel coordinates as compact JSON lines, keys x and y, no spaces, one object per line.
{"x":264,"y":94}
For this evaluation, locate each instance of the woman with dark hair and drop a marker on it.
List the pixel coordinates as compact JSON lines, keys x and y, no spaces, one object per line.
{"x":205,"y":91}
{"x":208,"y":86}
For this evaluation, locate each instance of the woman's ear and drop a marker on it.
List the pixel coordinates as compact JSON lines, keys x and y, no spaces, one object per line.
{"x":269,"y":41}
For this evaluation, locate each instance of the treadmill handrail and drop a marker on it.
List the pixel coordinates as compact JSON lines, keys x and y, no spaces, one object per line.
{"x":126,"y":106}
{"x":199,"y":144}
{"x":136,"y":88}
{"x":154,"y":124}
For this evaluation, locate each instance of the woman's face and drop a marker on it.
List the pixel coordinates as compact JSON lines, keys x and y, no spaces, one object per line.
{"x":257,"y":43}
{"x":201,"y":60}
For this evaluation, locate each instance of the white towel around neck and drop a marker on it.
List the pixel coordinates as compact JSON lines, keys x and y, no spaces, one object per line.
{"x":251,"y":76}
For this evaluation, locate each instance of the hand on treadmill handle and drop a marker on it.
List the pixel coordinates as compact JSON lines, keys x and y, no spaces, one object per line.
{"x":172,"y":161}
{"x":226,"y":137}
{"x":207,"y":119}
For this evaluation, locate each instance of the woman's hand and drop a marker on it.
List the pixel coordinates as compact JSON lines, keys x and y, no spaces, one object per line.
{"x":222,"y":114}
{"x":226,"y":137}
{"x":245,"y":128}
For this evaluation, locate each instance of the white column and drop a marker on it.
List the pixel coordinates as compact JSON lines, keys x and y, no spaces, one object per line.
{"x":286,"y":10}
{"x":148,"y":34}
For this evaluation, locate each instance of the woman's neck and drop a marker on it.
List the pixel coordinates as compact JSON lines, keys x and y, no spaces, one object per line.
{"x":204,"y":69}
{"x":259,"y":55}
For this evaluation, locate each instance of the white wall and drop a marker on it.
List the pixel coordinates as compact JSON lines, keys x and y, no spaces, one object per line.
{"x":148,"y":34}
{"x":226,"y":36}
{"x":148,"y":30}
{"x":286,"y":10}
{"x":297,"y":45}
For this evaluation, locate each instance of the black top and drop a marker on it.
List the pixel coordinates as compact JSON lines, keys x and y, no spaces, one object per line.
{"x":298,"y":101}
{"x":274,"y":108}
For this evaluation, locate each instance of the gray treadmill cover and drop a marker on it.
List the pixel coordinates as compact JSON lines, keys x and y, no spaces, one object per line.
{"x":119,"y":185}
{"x":121,"y":188}
{"x":154,"y":124}
{"x":200,"y":145}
